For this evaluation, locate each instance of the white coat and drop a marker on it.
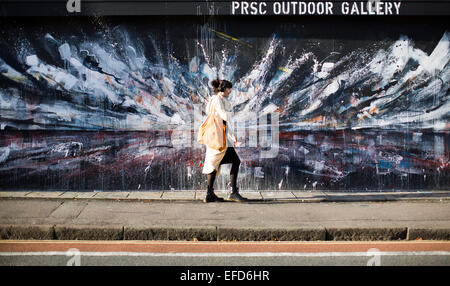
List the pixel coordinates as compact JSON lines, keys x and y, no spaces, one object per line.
{"x":220,"y":106}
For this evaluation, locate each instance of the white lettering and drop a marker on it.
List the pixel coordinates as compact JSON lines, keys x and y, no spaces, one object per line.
{"x":311,"y":8}
{"x":354,"y":9}
{"x":329,"y":8}
{"x":249,"y":275}
{"x":192,"y":276}
{"x":320,"y":8}
{"x":262,"y":10}
{"x":302,"y":8}
{"x":363,"y":12}
{"x":235,"y":5}
{"x":285,"y":7}
{"x":294,"y":7}
{"x":388,"y":8}
{"x":277,"y":8}
{"x":344,"y":8}
{"x":379,"y":10}
{"x":253,"y":8}
{"x":369,"y":7}
{"x":397,"y":7}
{"x":244,"y":7}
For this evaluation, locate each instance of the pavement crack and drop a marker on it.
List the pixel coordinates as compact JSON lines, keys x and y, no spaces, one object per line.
{"x":50,"y":214}
{"x":85,"y":205}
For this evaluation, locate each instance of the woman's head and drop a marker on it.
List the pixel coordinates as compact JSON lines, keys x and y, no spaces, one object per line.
{"x":222,"y":86}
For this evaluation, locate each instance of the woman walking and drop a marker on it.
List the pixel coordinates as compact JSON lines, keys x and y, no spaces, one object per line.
{"x":218,"y":105}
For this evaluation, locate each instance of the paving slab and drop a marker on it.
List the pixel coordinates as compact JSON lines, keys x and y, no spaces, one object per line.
{"x":112,"y":195}
{"x":268,"y":195}
{"x":69,"y":195}
{"x":48,"y":194}
{"x":178,"y":195}
{"x":86,"y":195}
{"x":68,"y":209}
{"x":14,"y":194}
{"x":251,"y":195}
{"x":309,"y":197}
{"x":355,"y":197}
{"x":27,"y":208}
{"x":150,"y":195}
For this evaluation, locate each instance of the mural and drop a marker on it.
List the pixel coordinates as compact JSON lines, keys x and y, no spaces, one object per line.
{"x":114,"y":103}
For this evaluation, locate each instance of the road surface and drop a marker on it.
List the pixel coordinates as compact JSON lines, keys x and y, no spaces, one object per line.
{"x":176,"y":253}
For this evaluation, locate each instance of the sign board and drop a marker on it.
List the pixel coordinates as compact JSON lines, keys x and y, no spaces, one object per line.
{"x":224,"y":7}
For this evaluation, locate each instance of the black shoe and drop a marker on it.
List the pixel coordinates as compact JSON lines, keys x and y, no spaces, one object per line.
{"x":211,"y":198}
{"x":236,"y":197}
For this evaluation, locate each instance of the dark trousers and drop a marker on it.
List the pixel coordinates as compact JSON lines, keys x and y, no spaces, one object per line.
{"x":230,"y":158}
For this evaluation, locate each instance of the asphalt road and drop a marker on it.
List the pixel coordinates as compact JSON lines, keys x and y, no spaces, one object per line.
{"x":241,"y":260}
{"x":164,"y":253}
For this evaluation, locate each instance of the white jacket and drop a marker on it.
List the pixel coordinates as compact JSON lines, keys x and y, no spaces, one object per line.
{"x":221,"y":108}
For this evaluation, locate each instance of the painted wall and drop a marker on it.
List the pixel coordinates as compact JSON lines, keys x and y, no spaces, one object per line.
{"x":114,"y":103}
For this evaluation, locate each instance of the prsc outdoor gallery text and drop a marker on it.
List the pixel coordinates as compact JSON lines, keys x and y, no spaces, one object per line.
{"x":371,"y":7}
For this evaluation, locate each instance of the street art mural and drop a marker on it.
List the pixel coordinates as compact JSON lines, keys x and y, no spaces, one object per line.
{"x":114,"y":103}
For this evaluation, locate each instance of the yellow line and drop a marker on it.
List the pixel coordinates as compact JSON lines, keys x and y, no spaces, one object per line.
{"x":230,"y":37}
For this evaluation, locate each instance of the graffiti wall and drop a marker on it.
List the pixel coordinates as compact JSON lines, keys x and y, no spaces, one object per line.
{"x":114,"y":103}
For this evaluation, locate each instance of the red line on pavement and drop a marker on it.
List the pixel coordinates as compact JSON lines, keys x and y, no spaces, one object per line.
{"x":220,"y":247}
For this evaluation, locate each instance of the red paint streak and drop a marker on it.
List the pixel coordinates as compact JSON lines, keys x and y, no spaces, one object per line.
{"x":224,"y":247}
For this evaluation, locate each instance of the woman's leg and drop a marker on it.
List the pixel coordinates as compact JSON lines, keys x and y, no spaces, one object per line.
{"x":233,"y":158}
{"x":210,"y":196}
{"x":211,"y":179}
{"x":234,"y":174}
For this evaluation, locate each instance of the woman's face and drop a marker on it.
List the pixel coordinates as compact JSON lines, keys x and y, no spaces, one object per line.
{"x":227,"y":92}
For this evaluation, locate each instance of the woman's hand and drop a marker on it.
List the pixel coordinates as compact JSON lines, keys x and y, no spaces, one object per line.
{"x":237,"y":144}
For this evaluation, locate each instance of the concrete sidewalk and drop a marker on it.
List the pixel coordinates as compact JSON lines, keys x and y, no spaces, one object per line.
{"x":180,"y":215}
{"x":253,"y":196}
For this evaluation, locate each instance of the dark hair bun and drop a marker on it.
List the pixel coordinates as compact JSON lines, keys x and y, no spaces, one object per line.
{"x":215,"y":83}
{"x":220,"y":85}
